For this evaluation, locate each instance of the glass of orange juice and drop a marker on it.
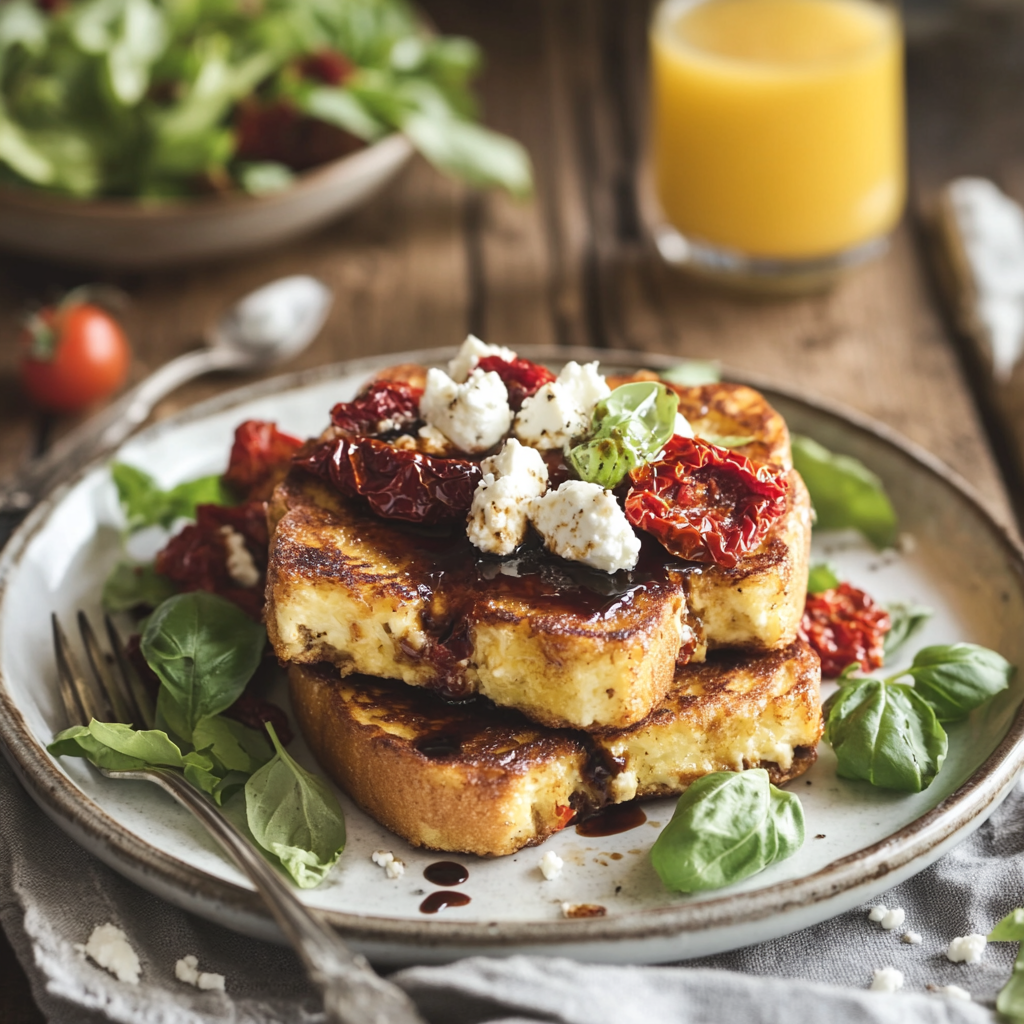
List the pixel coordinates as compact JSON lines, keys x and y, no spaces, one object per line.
{"x":777,"y":136}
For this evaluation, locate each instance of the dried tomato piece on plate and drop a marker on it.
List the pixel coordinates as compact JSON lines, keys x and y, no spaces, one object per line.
{"x":845,"y":625}
{"x":260,"y":457}
{"x":197,"y":558}
{"x":521,"y":377}
{"x":705,"y":503}
{"x":397,"y":483}
{"x":385,"y":405}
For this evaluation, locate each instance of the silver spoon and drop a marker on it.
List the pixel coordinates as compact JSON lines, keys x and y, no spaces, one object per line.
{"x":267,"y":326}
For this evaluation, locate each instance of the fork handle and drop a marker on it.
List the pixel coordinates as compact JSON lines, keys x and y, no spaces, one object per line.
{"x":353,"y":993}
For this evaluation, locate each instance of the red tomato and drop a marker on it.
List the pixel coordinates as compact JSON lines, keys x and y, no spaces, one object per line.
{"x":75,"y":355}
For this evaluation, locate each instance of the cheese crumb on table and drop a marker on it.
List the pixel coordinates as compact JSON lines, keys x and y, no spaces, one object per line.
{"x":912,"y":938}
{"x":471,"y":352}
{"x":952,"y":991}
{"x":474,"y":415}
{"x":108,"y":946}
{"x":877,"y":913}
{"x":886,"y":979}
{"x":497,"y":519}
{"x":187,"y":970}
{"x":967,"y":949}
{"x":894,"y":918}
{"x":584,"y":523}
{"x":551,"y":865}
{"x":393,"y":867}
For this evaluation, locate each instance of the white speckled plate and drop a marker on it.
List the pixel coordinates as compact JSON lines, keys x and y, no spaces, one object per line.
{"x":860,"y":840}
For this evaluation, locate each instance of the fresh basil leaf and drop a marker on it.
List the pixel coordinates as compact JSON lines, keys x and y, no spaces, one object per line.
{"x":727,"y":440}
{"x":149,"y":745}
{"x":821,"y":577}
{"x":1010,"y":928}
{"x":146,"y":504}
{"x":264,"y":177}
{"x":845,"y":493}
{"x":22,"y":24}
{"x":907,"y":620}
{"x":471,"y":152}
{"x":232,"y":745}
{"x":955,"y":679}
{"x":295,"y":816}
{"x":78,"y":741}
{"x":131,"y":585}
{"x":726,"y":827}
{"x":885,"y":734}
{"x":628,"y":427}
{"x":692,"y":373}
{"x":204,"y":649}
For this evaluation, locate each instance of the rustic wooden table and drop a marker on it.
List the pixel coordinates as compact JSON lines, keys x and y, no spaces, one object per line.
{"x":431,"y":259}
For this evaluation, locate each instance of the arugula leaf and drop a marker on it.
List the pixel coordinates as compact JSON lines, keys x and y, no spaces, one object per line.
{"x":295,"y":816}
{"x":204,"y":650}
{"x":726,"y":827}
{"x":692,"y":373}
{"x":955,"y":679}
{"x":471,"y":152}
{"x":821,"y":577}
{"x":907,"y":620}
{"x":343,"y":109}
{"x":1010,"y":1001}
{"x":884,"y":733}
{"x":845,"y":493}
{"x":131,"y":585}
{"x":629,"y":426}
{"x":264,"y":178}
{"x":146,"y":504}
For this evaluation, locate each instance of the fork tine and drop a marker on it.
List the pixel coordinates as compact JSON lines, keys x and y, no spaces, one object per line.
{"x":143,"y":713}
{"x":77,"y":694}
{"x":104,"y":686}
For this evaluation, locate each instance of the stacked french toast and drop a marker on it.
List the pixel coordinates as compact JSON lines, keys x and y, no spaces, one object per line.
{"x":483,"y":647}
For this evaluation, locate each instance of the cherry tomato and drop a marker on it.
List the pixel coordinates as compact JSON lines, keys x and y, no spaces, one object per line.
{"x":75,"y":354}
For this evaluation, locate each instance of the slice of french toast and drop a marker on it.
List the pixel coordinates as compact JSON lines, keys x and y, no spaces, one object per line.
{"x":474,"y":778}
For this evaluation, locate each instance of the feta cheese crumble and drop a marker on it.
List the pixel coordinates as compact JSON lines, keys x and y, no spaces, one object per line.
{"x":886,"y":979}
{"x":551,"y":865}
{"x":241,"y":566}
{"x":497,"y":519}
{"x":187,"y":970}
{"x":951,"y":991}
{"x":474,"y":415}
{"x":967,"y":949}
{"x":393,"y":867}
{"x":877,"y":913}
{"x":912,"y":938}
{"x":471,"y":352}
{"x":894,"y":918}
{"x":583,"y":522}
{"x":109,"y":947}
{"x":562,"y":409}
{"x":622,"y":787}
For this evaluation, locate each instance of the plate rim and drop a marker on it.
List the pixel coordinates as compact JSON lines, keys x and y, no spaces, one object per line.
{"x":969,"y":802}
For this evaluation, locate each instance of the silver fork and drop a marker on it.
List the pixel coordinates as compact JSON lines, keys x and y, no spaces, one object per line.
{"x":353,"y":993}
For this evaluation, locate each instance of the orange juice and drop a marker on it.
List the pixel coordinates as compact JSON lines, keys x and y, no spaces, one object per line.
{"x":778,"y":124}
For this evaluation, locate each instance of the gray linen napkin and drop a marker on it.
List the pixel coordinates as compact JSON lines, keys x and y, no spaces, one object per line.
{"x":52,"y":893}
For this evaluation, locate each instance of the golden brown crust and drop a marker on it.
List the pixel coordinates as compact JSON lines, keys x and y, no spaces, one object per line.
{"x":477,"y":779}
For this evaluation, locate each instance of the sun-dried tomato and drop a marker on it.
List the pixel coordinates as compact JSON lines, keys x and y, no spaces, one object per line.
{"x":705,"y":503}
{"x":397,"y":483}
{"x":260,"y":458}
{"x":197,"y":558}
{"x":845,"y":625}
{"x":564,"y":815}
{"x":329,"y":66}
{"x":522,"y":378}
{"x":255,"y":712}
{"x":385,"y":405}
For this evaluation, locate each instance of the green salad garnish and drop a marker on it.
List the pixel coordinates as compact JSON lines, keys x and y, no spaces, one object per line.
{"x":161,"y":98}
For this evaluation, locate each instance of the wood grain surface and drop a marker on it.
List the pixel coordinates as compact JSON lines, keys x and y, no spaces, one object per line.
{"x":431,"y":259}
